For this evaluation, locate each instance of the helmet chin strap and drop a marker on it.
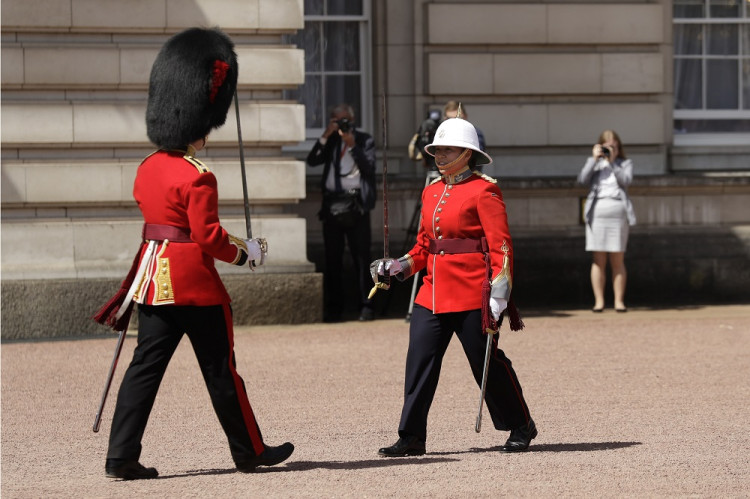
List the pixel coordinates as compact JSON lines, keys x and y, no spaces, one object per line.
{"x":457,"y":164}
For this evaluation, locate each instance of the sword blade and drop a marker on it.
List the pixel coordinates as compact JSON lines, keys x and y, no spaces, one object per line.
{"x":487,"y":353}
{"x":384,"y":281}
{"x":112,"y":367}
{"x":248,"y":225}
{"x":385,"y":182}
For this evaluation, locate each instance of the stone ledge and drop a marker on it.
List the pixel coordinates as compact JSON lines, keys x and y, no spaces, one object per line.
{"x":54,"y":308}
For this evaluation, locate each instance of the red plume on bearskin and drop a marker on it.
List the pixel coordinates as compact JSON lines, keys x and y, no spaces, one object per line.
{"x":191,"y":88}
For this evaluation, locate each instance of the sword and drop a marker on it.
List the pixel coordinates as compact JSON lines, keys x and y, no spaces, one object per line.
{"x":245,"y":197}
{"x":118,"y":349}
{"x":384,"y":281}
{"x":487,"y":353}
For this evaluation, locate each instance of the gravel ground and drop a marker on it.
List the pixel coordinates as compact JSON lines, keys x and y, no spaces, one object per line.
{"x":652,"y":403}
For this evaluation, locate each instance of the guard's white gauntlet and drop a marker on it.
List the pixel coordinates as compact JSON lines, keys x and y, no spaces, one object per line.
{"x":391,"y":266}
{"x":257,"y":249}
{"x":497,"y":305}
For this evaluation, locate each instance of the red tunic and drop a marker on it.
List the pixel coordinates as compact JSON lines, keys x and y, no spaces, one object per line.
{"x":471,"y":209}
{"x":172,"y":188}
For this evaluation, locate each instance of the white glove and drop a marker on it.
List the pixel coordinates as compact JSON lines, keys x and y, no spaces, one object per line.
{"x":497,"y":305}
{"x":257,"y":249}
{"x":393,"y":267}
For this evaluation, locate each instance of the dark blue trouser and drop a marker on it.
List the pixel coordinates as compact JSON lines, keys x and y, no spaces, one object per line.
{"x":429,"y":336}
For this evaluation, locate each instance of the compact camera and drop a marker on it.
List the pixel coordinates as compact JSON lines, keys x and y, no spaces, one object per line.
{"x":606,"y":151}
{"x":344,"y":125}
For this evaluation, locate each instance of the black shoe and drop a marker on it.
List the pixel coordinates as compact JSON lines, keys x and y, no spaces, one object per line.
{"x":130,"y":470}
{"x":406,"y":446}
{"x":269,"y":457}
{"x":520,"y":438}
{"x":367,"y":314}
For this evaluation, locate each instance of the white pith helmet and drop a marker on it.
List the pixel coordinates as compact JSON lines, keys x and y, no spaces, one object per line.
{"x":457,"y":132}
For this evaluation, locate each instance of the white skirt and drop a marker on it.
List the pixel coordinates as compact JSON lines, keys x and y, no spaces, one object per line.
{"x":609,"y":227}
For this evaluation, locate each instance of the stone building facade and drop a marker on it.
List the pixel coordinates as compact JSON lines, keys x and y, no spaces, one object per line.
{"x":541,"y":79}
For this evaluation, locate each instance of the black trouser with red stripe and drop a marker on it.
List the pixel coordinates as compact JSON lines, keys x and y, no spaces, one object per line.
{"x":160,"y":329}
{"x":429,"y":336}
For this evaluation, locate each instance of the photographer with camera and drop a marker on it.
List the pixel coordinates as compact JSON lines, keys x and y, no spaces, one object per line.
{"x":608,"y":214}
{"x":424,"y":136}
{"x":348,"y":186}
{"x":426,"y":133}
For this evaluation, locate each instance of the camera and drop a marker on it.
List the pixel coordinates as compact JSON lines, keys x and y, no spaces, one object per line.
{"x":344,"y":125}
{"x":606,"y":151}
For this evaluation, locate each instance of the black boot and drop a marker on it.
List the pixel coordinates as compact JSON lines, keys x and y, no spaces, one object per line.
{"x":520,"y":438}
{"x":406,"y":446}
{"x":129,"y":470}
{"x":269,"y":457}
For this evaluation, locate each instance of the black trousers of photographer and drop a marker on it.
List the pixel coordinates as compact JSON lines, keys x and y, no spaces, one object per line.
{"x":336,"y":236}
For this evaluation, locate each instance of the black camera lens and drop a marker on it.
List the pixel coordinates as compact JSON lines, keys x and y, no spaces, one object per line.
{"x":344,"y":125}
{"x":606,"y":151}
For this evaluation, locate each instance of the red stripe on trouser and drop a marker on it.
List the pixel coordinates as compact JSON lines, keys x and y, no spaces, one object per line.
{"x":518,"y":393}
{"x":247,"y":411}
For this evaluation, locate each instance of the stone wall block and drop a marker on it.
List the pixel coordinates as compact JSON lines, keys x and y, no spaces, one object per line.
{"x":109,"y":123}
{"x":278,"y":67}
{"x":36,"y":14}
{"x":546,"y":74}
{"x":135,"y":66}
{"x":267,"y":181}
{"x":64,"y":249}
{"x":47,"y":246}
{"x":632,"y":73}
{"x":79,"y":183}
{"x":72,"y":66}
{"x":13,"y":183}
{"x":735,"y":208}
{"x":553,"y":212}
{"x":36,"y":123}
{"x":659,"y":211}
{"x":281,"y":14}
{"x":638,"y":123}
{"x":478,"y":23}
{"x":701,"y":210}
{"x":127,"y":15}
{"x":460,"y":74}
{"x":512,"y":124}
{"x":594,"y":23}
{"x":265,"y":123}
{"x":12,"y":66}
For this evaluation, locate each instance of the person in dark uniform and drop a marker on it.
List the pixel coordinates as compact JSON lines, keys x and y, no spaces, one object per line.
{"x":348,"y":186}
{"x":173,"y":279}
{"x":464,"y":242}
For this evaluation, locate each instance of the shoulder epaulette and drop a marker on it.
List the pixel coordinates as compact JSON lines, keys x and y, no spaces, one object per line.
{"x":196,"y":163}
{"x":144,"y":159}
{"x":486,"y":177}
{"x":437,"y":179}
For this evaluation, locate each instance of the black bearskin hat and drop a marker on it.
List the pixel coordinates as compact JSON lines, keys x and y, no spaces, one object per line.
{"x":192,"y":85}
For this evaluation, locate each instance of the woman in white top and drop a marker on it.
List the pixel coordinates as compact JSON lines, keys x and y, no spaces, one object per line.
{"x":608,"y":214}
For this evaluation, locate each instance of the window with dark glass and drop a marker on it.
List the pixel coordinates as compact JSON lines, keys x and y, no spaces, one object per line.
{"x":711,"y":40}
{"x":333,"y":39}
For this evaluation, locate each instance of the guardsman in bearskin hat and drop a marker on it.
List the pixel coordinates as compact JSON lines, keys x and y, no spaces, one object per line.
{"x":173,"y":279}
{"x":465,"y":245}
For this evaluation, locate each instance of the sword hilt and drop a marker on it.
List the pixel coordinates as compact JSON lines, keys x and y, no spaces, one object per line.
{"x":384,"y":283}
